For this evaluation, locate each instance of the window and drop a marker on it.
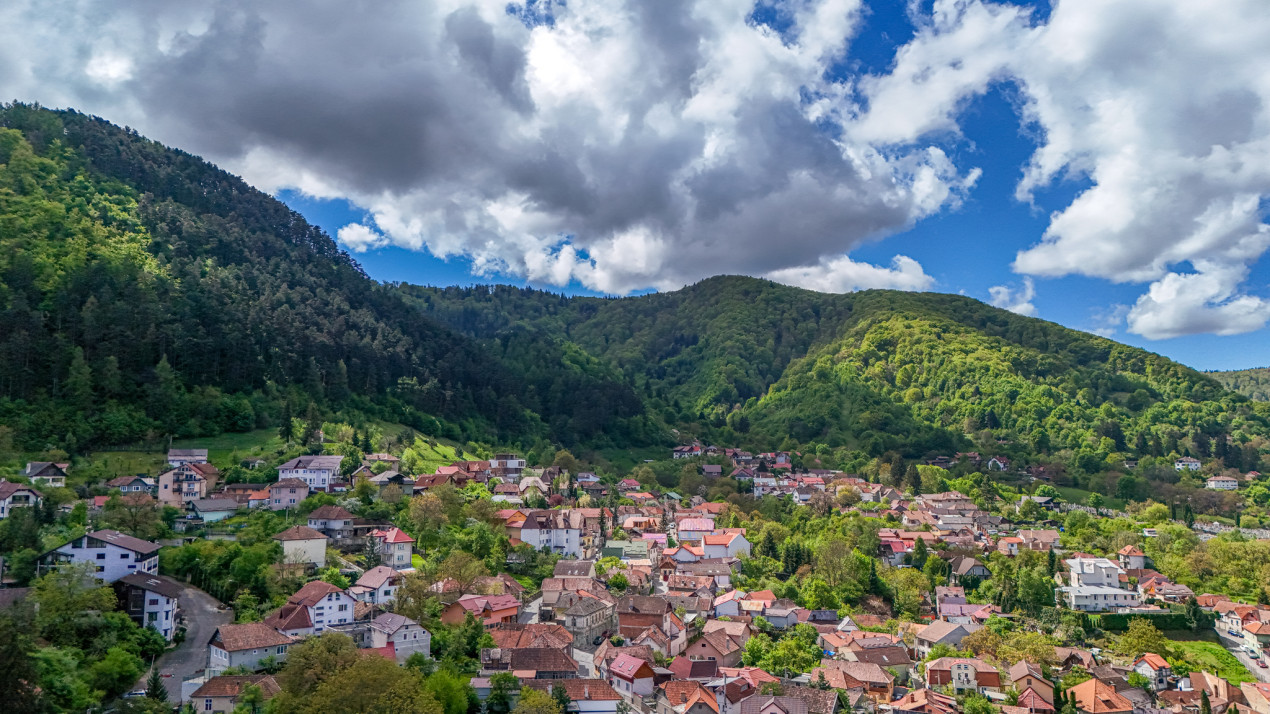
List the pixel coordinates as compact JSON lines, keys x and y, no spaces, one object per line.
{"x":207,"y":705}
{"x":123,"y":556}
{"x":101,"y":556}
{"x":154,"y":601}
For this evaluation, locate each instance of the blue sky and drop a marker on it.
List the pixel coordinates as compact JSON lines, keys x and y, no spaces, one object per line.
{"x":965,"y":250}
{"x":1046,"y":158}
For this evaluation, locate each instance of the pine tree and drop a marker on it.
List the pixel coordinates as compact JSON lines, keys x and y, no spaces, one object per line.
{"x":767,"y":546}
{"x":1188,"y":516}
{"x":1051,"y":562}
{"x":286,"y":430}
{"x":914,"y":479}
{"x":1205,"y":706}
{"x":561,"y":695}
{"x":1194,"y":614}
{"x":154,"y":686}
{"x":79,"y":382}
{"x":920,"y":554}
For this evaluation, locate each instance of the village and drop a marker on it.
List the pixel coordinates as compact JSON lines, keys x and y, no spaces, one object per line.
{"x":646,"y":606}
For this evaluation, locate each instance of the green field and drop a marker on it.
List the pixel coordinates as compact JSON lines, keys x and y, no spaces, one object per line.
{"x":1213,"y":658}
{"x":223,"y":451}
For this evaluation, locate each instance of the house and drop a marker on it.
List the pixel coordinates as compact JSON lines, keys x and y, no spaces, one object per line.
{"x":685,"y":697}
{"x":712,"y":471}
{"x":926,"y":701}
{"x":1043,"y":539}
{"x":246,"y":646}
{"x":17,"y":495}
{"x":725,"y":545}
{"x":317,"y":472}
{"x":964,"y":570}
{"x":1025,"y":676}
{"x":1187,"y":463}
{"x":590,"y":620}
{"x":1222,"y":483}
{"x":489,"y":608}
{"x":1095,"y":586}
{"x":875,"y":680}
{"x":773,"y":704}
{"x":554,"y":531}
{"x":717,"y":646}
{"x":574,"y":569}
{"x":1095,"y":696}
{"x":586,"y":696}
{"x":998,"y":463}
{"x":694,"y":529}
{"x":211,"y":510}
{"x":131,"y":484}
{"x":508,"y":467}
{"x":517,"y":636}
{"x":1009,"y":545}
{"x":187,"y":482}
{"x":46,"y":473}
{"x":377,"y":586}
{"x":395,"y":548}
{"x":404,"y":635}
{"x":1154,"y":668}
{"x":963,"y":674}
{"x":702,"y":670}
{"x":530,"y":662}
{"x":302,"y":544}
{"x":1257,"y":694}
{"x":631,"y":677}
{"x":312,"y":609}
{"x":818,"y":701}
{"x":151,"y":601}
{"x":1132,"y":558}
{"x":112,"y":553}
{"x":945,"y":633}
{"x":219,"y":695}
{"x":180,"y":457}
{"x":334,"y":522}
{"x":287,"y":493}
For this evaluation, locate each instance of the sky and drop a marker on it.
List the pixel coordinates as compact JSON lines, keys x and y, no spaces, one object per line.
{"x":1104,"y":164}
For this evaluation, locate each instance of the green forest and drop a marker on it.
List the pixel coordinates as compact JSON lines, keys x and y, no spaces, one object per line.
{"x":146,"y":293}
{"x":1252,"y":383}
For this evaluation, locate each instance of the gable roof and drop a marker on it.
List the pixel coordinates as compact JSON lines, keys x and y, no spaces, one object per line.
{"x":252,"y":635}
{"x":321,"y":462}
{"x":164,"y":586}
{"x":628,"y":667}
{"x":333,"y":513}
{"x":233,"y":685}
{"x":579,"y":690}
{"x":8,"y":488}
{"x":127,"y":542}
{"x":1097,"y":697}
{"x":300,"y":533}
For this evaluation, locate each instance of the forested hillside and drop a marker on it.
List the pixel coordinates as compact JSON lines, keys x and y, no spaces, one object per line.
{"x":1252,"y":383}
{"x":145,"y":292}
{"x":741,"y":360}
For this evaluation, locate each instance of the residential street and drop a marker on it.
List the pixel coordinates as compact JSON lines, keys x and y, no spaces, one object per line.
{"x":201,"y":620}
{"x":1236,"y":649}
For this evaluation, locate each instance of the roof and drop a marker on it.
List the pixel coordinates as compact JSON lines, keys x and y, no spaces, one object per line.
{"x":818,"y":701}
{"x":126,"y":542}
{"x":1023,"y":669}
{"x":300,"y":533}
{"x":187,"y":454}
{"x":390,"y":622}
{"x":687,"y":694}
{"x":8,"y":488}
{"x":289,"y":483}
{"x":936,"y":632}
{"x":541,"y":659}
{"x":232,"y":686}
{"x":788,"y":705}
{"x":517,"y":636}
{"x":331,"y":513}
{"x":477,"y":603}
{"x":377,"y":576}
{"x":579,"y":690}
{"x":864,"y":672}
{"x":1097,"y":697}
{"x":392,"y":535}
{"x":1152,"y":660}
{"x":214,"y":504}
{"x":685,"y":668}
{"x":252,"y":635}
{"x":164,"y":586}
{"x":1130,"y":550}
{"x":319,"y":462}
{"x":628,"y":667}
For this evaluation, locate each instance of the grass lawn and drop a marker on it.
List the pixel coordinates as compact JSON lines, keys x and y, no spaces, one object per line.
{"x":1076,"y":495}
{"x":1212,"y":657}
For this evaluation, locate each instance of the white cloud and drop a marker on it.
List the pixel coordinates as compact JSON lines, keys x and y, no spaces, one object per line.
{"x":1175,"y":142}
{"x":1109,"y":319}
{"x":359,"y":238}
{"x":1017,"y":300}
{"x":841,"y":275}
{"x":623,"y":144}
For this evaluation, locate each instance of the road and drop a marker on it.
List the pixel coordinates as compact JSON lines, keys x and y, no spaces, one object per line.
{"x":201,"y":620}
{"x":529,"y":615}
{"x":1236,"y":648}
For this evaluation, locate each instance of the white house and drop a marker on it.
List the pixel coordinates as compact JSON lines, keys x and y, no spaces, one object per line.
{"x":112,"y":553}
{"x":302,"y":544}
{"x":46,"y":473}
{"x":394,"y":547}
{"x":214,"y":509}
{"x":17,"y":495}
{"x":1094,"y":571}
{"x":1096,"y":598}
{"x":187,"y":482}
{"x":1187,"y":463}
{"x":1155,"y":668}
{"x":405,"y":635}
{"x":181,"y":457}
{"x":151,"y":600}
{"x":376,"y":586}
{"x":245,"y":646}
{"x":694,"y":529}
{"x":555,"y":531}
{"x":1221,"y":483}
{"x":725,"y":545}
{"x":315,"y":607}
{"x":132,"y":484}
{"x":317,"y":472}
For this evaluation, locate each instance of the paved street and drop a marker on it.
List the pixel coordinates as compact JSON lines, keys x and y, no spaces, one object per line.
{"x":201,"y":620}
{"x":1237,"y":650}
{"x":529,"y":615}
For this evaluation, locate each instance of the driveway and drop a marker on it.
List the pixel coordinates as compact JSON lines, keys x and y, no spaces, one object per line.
{"x":190,"y":657}
{"x":1236,"y":648}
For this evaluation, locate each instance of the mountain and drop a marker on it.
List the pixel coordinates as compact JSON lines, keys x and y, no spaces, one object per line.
{"x":1252,"y":383}
{"x":742,"y":360}
{"x":145,"y":292}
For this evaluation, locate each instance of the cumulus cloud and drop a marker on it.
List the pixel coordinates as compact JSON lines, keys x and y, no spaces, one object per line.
{"x":623,"y":144}
{"x":1015,"y":299}
{"x":841,"y":275}
{"x":1174,"y":142}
